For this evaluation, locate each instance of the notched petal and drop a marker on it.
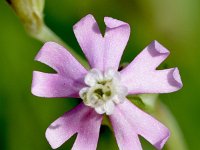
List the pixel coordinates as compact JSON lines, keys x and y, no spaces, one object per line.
{"x":69,"y":77}
{"x":82,"y":120}
{"x":54,"y":85}
{"x":141,"y":76}
{"x":140,"y":123}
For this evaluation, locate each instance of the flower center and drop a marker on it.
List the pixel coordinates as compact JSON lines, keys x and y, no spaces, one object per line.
{"x":103,"y":90}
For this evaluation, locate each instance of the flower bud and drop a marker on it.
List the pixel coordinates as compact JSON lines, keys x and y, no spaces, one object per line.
{"x":30,"y":13}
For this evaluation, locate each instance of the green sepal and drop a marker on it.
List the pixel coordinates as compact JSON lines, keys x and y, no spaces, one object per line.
{"x":137,"y":101}
{"x":146,"y":102}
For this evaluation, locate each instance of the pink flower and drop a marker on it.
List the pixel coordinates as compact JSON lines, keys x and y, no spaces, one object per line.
{"x":104,"y":89}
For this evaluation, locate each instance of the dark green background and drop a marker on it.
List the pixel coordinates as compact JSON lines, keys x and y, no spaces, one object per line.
{"x":174,"y":23}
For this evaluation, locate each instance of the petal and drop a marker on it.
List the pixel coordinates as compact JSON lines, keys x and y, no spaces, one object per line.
{"x":69,"y":78}
{"x":57,"y":57}
{"x":82,"y":120}
{"x":116,"y":38}
{"x":54,"y":85}
{"x":141,"y":76}
{"x":102,"y":52}
{"x":126,"y":138}
{"x":90,"y":40}
{"x":145,"y":125}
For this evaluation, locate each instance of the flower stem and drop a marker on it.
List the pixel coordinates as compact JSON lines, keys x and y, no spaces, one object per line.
{"x":30,"y":13}
{"x":176,"y":140}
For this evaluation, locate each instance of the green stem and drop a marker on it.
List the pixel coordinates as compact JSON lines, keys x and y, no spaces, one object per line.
{"x":176,"y":140}
{"x":30,"y":13}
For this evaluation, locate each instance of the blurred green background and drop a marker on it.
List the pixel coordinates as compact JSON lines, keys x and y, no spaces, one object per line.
{"x":174,"y":23}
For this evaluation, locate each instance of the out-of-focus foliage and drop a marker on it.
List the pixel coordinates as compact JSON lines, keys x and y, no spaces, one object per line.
{"x":174,"y":23}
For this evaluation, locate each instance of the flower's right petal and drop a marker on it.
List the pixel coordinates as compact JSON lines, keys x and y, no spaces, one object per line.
{"x":141,"y":76}
{"x":69,"y":77}
{"x":126,"y":138}
{"x":82,"y":120}
{"x":91,"y":41}
{"x":54,"y":85}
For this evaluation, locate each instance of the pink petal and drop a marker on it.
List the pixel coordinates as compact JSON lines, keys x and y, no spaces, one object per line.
{"x":69,"y":78}
{"x":54,"y":85}
{"x":142,"y":124}
{"x":102,"y":52}
{"x":82,"y":120}
{"x":116,"y":38}
{"x":126,"y":138}
{"x":141,"y":76}
{"x":91,"y":41}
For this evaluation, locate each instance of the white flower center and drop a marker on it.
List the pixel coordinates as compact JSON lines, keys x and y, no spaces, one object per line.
{"x":103,"y":91}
